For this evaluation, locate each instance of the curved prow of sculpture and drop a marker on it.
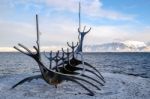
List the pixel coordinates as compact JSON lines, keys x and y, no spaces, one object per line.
{"x":81,"y":38}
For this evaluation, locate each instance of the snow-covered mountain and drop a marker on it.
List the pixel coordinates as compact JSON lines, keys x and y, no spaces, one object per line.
{"x":134,"y":44}
{"x":125,"y":46}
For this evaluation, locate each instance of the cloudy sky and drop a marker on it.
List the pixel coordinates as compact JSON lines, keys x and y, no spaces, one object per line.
{"x":110,"y":20}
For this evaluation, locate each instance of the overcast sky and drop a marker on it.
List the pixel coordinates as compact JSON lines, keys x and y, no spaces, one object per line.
{"x":110,"y":20}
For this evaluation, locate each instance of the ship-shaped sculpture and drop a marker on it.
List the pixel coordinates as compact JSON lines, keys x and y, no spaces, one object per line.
{"x":64,"y":65}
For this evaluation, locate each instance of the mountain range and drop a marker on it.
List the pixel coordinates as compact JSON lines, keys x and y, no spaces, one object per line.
{"x":125,"y":46}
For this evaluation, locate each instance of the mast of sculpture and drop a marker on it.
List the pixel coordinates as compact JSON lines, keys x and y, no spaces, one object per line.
{"x":79,"y":16}
{"x":38,"y":39}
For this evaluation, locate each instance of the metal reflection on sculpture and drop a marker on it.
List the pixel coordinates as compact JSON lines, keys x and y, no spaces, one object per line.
{"x":65,"y":65}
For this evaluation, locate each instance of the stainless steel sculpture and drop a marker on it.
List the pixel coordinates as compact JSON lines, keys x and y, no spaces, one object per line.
{"x":64,"y":66}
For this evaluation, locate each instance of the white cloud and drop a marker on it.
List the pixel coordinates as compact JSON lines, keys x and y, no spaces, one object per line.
{"x":92,"y":8}
{"x":54,"y":33}
{"x":7,"y":49}
{"x":107,"y":33}
{"x":13,"y":32}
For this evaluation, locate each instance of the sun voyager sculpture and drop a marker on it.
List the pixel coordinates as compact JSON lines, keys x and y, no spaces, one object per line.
{"x":66,"y":65}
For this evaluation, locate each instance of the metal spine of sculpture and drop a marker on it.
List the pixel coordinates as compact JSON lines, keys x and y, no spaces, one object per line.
{"x":66,"y":66}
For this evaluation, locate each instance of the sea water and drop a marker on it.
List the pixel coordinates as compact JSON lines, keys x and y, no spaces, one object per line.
{"x":135,"y":64}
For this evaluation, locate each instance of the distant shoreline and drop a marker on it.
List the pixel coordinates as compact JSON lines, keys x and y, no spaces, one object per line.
{"x":84,"y":52}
